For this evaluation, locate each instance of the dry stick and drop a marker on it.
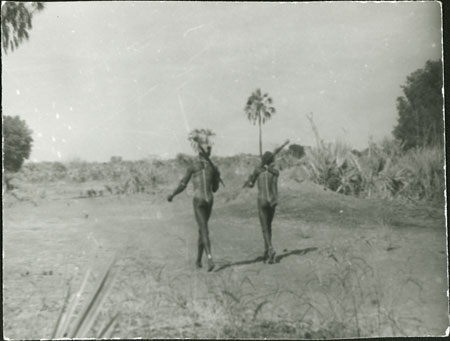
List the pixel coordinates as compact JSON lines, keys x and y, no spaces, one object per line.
{"x":206,"y":157}
{"x":275,"y":152}
{"x":314,"y":128}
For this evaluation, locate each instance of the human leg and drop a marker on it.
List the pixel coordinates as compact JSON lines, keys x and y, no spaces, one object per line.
{"x":200,"y":246}
{"x":202,"y":212}
{"x":271,"y":213}
{"x":198,"y":262}
{"x":264,"y":220}
{"x":208,"y":215}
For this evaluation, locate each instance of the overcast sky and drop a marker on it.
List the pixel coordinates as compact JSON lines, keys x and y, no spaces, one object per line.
{"x":98,"y":79}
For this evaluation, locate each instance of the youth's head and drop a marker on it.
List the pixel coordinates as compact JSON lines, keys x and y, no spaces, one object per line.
{"x":201,"y":140}
{"x":207,"y":148}
{"x":268,"y":158}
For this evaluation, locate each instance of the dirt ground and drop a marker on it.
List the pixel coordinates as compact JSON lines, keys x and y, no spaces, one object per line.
{"x":346,"y":267}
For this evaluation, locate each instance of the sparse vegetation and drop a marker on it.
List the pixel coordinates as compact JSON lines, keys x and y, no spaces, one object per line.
{"x":333,"y":287}
{"x":342,"y":293}
{"x":383,"y":171}
{"x":343,"y":296}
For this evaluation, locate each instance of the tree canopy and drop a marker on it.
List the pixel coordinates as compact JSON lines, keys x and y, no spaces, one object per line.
{"x":420,"y":121}
{"x":17,"y":142}
{"x":16,"y":22}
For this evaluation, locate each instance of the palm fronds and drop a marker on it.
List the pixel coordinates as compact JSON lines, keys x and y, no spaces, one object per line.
{"x":334,"y":166}
{"x":75,"y":321}
{"x":259,"y":107}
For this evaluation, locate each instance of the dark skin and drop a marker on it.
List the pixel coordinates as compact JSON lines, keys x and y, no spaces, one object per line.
{"x":205,"y":181}
{"x":267,"y":202}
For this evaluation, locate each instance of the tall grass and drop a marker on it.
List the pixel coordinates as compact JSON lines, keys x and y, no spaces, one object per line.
{"x":380,"y":172}
{"x":383,"y":170}
{"x":426,"y":167}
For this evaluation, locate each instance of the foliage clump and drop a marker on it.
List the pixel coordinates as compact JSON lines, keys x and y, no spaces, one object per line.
{"x":17,"y":142}
{"x":259,"y":109}
{"x":17,"y":21}
{"x":420,"y":121}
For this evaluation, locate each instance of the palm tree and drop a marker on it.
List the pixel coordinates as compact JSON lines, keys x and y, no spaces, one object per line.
{"x":16,"y":22}
{"x":259,"y":109}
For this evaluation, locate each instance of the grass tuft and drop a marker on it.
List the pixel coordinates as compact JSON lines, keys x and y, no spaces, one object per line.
{"x":75,"y":321}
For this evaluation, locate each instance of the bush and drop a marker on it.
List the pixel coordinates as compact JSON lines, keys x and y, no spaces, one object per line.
{"x":335,"y":167}
{"x":297,"y":150}
{"x":383,"y":170}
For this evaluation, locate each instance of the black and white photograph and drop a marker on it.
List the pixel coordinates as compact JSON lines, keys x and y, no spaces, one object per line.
{"x":223,"y":170}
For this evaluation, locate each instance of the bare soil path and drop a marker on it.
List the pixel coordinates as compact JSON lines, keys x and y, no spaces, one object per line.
{"x":345,"y":267}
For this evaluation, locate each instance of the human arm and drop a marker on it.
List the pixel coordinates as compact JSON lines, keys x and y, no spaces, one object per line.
{"x":182,"y":185}
{"x":271,"y":169}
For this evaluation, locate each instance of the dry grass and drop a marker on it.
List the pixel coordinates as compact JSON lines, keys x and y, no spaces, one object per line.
{"x":382,"y":171}
{"x":343,"y":296}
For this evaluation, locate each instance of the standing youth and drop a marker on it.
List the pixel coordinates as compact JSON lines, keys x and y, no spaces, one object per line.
{"x":205,"y":179}
{"x":266,"y":176}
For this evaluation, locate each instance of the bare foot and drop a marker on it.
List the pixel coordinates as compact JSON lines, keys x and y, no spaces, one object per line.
{"x":271,"y":257}
{"x":210,"y":265}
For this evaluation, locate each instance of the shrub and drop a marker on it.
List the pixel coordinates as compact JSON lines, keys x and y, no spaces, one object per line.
{"x":334,"y":166}
{"x":297,"y":150}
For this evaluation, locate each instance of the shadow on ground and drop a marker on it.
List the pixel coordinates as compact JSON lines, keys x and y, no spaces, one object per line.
{"x":300,"y":252}
{"x":278,"y":258}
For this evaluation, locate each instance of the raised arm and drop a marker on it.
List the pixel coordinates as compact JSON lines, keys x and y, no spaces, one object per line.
{"x":182,"y":185}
